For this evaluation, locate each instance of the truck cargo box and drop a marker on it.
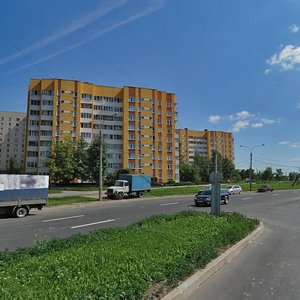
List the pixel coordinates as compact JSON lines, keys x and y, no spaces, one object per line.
{"x":137,"y":182}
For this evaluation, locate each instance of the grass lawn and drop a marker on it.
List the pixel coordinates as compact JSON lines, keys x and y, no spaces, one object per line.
{"x":121,"y":263}
{"x":68,"y":200}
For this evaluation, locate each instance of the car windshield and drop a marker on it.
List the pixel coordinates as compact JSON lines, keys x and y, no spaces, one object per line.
{"x":229,"y":187}
{"x":206,"y":192}
{"x":119,"y":183}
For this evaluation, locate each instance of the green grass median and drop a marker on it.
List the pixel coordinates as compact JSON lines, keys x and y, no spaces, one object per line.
{"x":68,"y":200}
{"x":121,"y":263}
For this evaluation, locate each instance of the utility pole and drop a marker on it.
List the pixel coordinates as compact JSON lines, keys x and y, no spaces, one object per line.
{"x":100,"y":165}
{"x":215,"y":179}
{"x":251,"y":158}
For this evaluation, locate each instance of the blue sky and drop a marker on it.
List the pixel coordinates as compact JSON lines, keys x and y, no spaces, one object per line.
{"x":233,"y":65}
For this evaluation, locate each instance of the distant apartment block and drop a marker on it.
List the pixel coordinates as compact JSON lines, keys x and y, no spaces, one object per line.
{"x":204,"y":142}
{"x":12,"y":138}
{"x":137,"y":124}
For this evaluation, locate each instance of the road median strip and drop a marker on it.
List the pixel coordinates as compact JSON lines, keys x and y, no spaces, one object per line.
{"x":188,"y":287}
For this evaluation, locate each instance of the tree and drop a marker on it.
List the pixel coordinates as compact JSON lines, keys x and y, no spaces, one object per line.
{"x":279,"y":174}
{"x":293,"y":176}
{"x":228,"y":169}
{"x":202,"y":168}
{"x":187,"y":172}
{"x":13,"y":167}
{"x":267,"y":174}
{"x":80,"y":160}
{"x":61,"y":161}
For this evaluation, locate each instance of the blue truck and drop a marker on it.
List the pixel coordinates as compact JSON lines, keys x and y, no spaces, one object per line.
{"x":129,"y":185}
{"x":20,"y":193}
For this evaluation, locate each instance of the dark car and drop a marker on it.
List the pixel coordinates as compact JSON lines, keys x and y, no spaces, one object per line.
{"x":265,"y":188}
{"x":204,"y":197}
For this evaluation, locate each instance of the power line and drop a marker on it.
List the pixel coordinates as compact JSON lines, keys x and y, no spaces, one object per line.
{"x":283,"y":166}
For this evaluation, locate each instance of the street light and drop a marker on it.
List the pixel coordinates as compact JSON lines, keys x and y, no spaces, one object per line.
{"x":251,"y":156}
{"x":101,"y":159}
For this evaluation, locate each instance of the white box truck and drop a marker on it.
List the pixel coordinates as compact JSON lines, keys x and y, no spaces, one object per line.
{"x":20,"y":193}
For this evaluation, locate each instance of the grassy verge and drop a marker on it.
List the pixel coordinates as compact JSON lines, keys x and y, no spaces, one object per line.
{"x":158,"y":192}
{"x":277,"y":185}
{"x":121,"y":263}
{"x":68,"y":200}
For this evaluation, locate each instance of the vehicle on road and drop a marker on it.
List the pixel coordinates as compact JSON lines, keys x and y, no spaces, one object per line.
{"x":129,"y":185}
{"x":234,"y":189}
{"x":204,"y":197}
{"x":20,"y":193}
{"x":265,"y":188}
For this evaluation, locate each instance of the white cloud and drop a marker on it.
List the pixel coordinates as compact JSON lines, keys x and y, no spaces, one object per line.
{"x":240,"y":125}
{"x":298,"y":105}
{"x":257,"y":125}
{"x":267,"y":121}
{"x":268,"y":71}
{"x":287,"y":59}
{"x":295,"y":145}
{"x":214,"y":119}
{"x":294,"y":28}
{"x":284,"y":143}
{"x":244,"y":115}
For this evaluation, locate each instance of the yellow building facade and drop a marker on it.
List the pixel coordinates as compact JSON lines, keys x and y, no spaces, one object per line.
{"x":204,"y":142}
{"x":137,"y":124}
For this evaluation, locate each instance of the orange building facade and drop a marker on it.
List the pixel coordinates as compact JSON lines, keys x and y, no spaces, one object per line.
{"x":204,"y":142}
{"x":137,"y":125}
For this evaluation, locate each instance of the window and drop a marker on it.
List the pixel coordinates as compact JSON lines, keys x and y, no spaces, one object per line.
{"x":169,"y":122}
{"x":34,"y":122}
{"x":86,"y":96}
{"x":86,"y":135}
{"x":35,"y":102}
{"x":86,"y":115}
{"x":131,"y":99}
{"x":131,"y":127}
{"x":131,"y":108}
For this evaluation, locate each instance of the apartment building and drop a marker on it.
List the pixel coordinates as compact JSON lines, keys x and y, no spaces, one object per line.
{"x":204,"y":142}
{"x":137,"y":125}
{"x":12,"y":138}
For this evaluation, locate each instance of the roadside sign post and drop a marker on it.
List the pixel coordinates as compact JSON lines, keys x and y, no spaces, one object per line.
{"x":215,"y":179}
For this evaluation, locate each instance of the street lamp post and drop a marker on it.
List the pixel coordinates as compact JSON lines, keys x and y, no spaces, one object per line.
{"x":101,"y":160}
{"x":251,"y":157}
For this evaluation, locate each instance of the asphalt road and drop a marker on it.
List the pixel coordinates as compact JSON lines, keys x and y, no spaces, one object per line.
{"x":267,"y":269}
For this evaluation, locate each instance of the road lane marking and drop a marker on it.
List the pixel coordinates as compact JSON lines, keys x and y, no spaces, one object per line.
{"x":65,"y":218}
{"x":171,"y":203}
{"x":275,"y":194}
{"x":247,"y":198}
{"x":91,"y":224}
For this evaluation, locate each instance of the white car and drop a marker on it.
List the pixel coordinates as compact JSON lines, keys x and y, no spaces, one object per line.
{"x":234,"y":189}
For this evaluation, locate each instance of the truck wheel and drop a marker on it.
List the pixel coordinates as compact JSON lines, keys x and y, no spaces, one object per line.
{"x":120,"y":196}
{"x":140,"y":194}
{"x":21,"y":212}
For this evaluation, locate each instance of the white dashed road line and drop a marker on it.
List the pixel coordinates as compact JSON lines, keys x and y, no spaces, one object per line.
{"x":171,"y":203}
{"x":275,"y":194}
{"x":91,"y":224}
{"x":65,"y":218}
{"x":247,"y":198}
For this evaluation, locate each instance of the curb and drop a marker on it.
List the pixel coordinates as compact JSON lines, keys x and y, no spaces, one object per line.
{"x":188,"y":287}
